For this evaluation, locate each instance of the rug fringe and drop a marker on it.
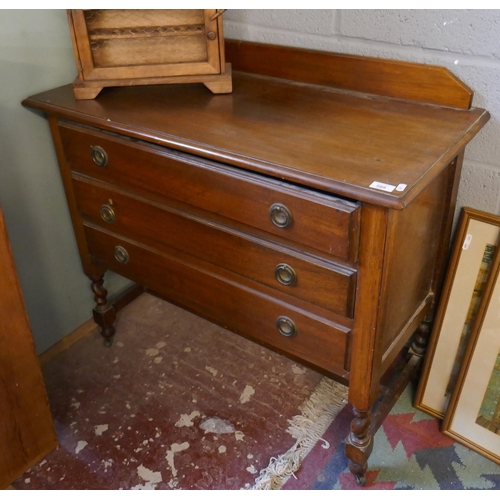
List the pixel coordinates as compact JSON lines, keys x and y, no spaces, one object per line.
{"x":317,"y":413}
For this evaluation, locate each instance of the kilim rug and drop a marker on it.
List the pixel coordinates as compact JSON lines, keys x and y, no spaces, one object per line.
{"x":409,"y":454}
{"x":178,"y":403}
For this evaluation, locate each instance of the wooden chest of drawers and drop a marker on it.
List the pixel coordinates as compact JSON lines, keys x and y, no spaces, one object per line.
{"x":287,"y":296}
{"x":313,"y":220}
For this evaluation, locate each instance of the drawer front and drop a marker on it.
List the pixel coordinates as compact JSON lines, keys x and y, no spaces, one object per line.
{"x":314,"y":280}
{"x":322,"y":222}
{"x":228,"y":303}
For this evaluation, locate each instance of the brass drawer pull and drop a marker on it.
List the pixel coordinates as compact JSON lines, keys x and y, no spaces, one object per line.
{"x":121,"y":255}
{"x":285,"y":275}
{"x":286,"y":326}
{"x":280,"y":215}
{"x":99,"y":156}
{"x":107,"y":214}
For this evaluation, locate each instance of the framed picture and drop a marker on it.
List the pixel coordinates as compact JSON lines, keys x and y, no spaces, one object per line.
{"x":473,"y":416}
{"x":470,"y":267}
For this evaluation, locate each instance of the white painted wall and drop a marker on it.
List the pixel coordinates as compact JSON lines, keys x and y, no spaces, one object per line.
{"x":36,"y":54}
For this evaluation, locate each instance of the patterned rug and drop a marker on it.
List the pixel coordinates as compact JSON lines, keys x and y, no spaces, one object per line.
{"x":409,"y":454}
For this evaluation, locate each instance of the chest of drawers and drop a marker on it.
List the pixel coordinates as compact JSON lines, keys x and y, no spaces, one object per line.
{"x":306,"y":217}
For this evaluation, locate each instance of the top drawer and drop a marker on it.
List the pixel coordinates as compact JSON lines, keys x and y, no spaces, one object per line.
{"x":320,"y":221}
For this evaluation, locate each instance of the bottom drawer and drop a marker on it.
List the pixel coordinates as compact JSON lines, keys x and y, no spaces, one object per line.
{"x":232,"y":305}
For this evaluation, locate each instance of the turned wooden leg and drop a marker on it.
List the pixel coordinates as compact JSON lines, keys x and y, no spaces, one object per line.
{"x":421,"y":339}
{"x":104,"y":313}
{"x":359,"y":445}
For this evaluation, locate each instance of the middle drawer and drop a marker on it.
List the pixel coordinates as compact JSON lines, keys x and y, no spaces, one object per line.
{"x":315,"y":280}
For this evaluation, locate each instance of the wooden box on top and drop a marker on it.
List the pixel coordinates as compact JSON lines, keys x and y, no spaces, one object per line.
{"x":120,"y":47}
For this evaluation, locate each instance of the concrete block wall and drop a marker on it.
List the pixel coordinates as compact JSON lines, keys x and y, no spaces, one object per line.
{"x":467,"y":42}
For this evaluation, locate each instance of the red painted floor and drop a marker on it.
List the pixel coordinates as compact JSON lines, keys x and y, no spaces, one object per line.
{"x":175,"y":403}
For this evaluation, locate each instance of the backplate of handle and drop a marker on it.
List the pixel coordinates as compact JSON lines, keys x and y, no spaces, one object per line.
{"x":99,"y":156}
{"x":285,"y":275}
{"x":280,"y":215}
{"x":286,"y":326}
{"x":107,"y":214}
{"x":121,"y":255}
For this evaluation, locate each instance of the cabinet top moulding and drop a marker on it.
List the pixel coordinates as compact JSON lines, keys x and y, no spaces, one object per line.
{"x":285,"y":119}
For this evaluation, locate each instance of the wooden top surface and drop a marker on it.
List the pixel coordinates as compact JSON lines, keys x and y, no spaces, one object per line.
{"x":334,"y":140}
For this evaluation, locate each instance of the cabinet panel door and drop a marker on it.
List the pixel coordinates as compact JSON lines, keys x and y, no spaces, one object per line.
{"x":122,"y":44}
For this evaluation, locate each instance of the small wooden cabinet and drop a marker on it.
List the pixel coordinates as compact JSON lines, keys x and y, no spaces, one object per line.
{"x":115,"y":47}
{"x":310,"y":210}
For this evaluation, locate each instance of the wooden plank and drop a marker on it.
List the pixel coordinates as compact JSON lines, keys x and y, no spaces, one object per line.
{"x":393,"y":393}
{"x":125,"y":18}
{"x":399,"y":79}
{"x":366,"y":349}
{"x":26,"y":428}
{"x":415,"y":238}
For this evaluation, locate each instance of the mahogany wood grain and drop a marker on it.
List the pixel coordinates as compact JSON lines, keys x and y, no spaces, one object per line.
{"x":398,"y":79}
{"x":366,"y":352}
{"x":90,"y":269}
{"x":324,"y":283}
{"x":326,"y":223}
{"x":393,"y":393}
{"x":366,"y":349}
{"x":415,"y":236}
{"x":26,"y":428}
{"x":317,"y":137}
{"x":445,"y":244}
{"x":411,"y":327}
{"x":317,"y":340}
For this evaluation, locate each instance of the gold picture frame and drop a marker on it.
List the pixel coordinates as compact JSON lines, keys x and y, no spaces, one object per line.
{"x":471,"y":262}
{"x":473,"y":416}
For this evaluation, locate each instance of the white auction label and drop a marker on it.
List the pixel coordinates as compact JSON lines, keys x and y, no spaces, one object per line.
{"x":467,"y":241}
{"x":382,"y":186}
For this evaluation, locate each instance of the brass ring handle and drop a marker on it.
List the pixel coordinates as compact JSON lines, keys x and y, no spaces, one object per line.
{"x":99,"y":156}
{"x":280,"y":215}
{"x":286,"y":326}
{"x":121,"y":255}
{"x":285,"y":275}
{"x":107,"y":214}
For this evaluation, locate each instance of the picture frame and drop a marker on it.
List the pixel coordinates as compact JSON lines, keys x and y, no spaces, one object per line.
{"x":473,"y":417}
{"x":476,"y":241}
